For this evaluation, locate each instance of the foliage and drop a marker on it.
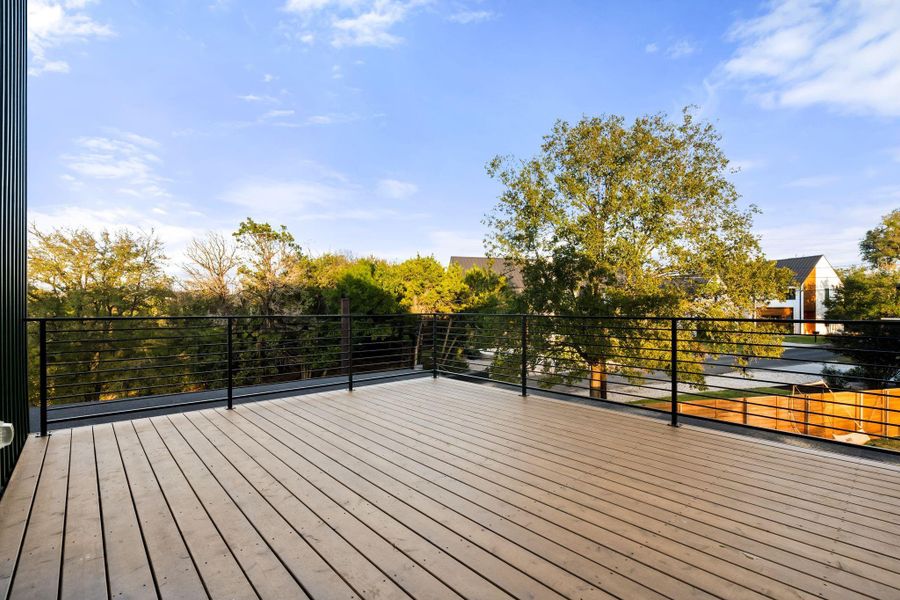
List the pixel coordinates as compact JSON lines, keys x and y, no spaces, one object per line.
{"x":880,"y":247}
{"x":73,"y":272}
{"x":615,"y":219}
{"x":272,"y":267}
{"x":870,"y":294}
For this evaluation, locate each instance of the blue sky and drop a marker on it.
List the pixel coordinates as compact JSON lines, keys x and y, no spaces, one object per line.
{"x":365,"y":125}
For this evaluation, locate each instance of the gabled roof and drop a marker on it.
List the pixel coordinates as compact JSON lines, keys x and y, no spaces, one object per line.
{"x":494,"y":265}
{"x":802,"y":266}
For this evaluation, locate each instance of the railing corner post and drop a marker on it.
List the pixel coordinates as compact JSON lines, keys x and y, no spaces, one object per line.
{"x":350,"y":352}
{"x":674,"y":372}
{"x":434,"y":364}
{"x":42,"y":366}
{"x":524,"y":374}
{"x":229,"y":324}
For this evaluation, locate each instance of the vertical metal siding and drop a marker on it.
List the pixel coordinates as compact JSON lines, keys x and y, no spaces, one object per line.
{"x":13,"y":394}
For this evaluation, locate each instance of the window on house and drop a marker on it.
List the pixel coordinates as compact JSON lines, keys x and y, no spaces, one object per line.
{"x":792,"y":293}
{"x":827,"y":294}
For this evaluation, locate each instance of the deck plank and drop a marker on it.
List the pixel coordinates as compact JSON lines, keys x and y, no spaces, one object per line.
{"x":631,"y":548}
{"x":127,"y":563}
{"x":297,"y":551}
{"x":37,"y":575}
{"x":582,"y":457}
{"x":440,"y":489}
{"x":84,"y":562}
{"x":222,"y":575}
{"x":270,"y":577}
{"x":559,"y":567}
{"x":15,"y":507}
{"x":174,"y":568}
{"x":571,"y":492}
{"x":409,"y":521}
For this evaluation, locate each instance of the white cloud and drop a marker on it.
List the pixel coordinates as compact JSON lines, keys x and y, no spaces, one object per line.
{"x":257,"y":98}
{"x":352,"y":22}
{"x":844,"y":54}
{"x":815,"y":181}
{"x":54,"y":23}
{"x":337,"y":72}
{"x":126,"y":160}
{"x":651,"y":48}
{"x":465,"y":17}
{"x":681,"y":49}
{"x":269,"y":78}
{"x":396,"y":189}
{"x":277,"y":114}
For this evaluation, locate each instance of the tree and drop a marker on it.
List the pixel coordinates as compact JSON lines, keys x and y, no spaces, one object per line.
{"x":211,"y":268}
{"x":74,"y":272}
{"x":870,"y":294}
{"x":880,"y":247}
{"x":272,"y":267}
{"x":613,"y":219}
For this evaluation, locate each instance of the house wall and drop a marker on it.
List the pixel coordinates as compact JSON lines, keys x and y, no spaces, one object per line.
{"x":827,"y":281}
{"x":13,"y":397}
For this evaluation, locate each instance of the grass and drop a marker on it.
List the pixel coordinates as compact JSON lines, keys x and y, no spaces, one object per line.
{"x":889,"y":443}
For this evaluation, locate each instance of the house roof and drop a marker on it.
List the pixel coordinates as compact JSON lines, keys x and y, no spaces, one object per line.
{"x":494,"y":265}
{"x":802,"y":266}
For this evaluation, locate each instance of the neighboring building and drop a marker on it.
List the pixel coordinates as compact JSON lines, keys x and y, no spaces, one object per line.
{"x":494,"y":265}
{"x":814,"y":282}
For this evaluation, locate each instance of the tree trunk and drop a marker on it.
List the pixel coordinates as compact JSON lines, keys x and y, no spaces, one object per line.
{"x":598,"y":380}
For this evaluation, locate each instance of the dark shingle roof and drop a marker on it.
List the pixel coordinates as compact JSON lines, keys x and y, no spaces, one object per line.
{"x":802,"y":266}
{"x":495,"y":265}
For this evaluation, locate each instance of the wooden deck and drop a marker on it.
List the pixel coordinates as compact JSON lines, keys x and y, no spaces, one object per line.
{"x":440,"y":489}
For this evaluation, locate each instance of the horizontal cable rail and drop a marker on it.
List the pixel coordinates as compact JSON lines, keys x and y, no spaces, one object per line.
{"x":833,"y":380}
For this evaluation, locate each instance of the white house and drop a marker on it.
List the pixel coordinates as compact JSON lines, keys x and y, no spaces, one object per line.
{"x":814,"y":282}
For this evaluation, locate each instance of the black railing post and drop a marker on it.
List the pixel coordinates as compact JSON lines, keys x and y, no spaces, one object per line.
{"x":434,"y":365}
{"x":350,"y":353}
{"x":230,"y":338}
{"x":524,"y":373}
{"x":674,"y":365}
{"x":42,"y":349}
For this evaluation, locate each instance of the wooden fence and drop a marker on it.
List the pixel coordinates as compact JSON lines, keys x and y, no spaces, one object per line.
{"x":823,"y":414}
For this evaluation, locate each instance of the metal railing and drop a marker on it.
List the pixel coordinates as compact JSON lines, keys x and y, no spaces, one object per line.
{"x":91,"y":368}
{"x":834,"y":380}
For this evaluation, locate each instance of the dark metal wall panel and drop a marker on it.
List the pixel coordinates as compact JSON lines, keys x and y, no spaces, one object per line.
{"x":13,"y":394}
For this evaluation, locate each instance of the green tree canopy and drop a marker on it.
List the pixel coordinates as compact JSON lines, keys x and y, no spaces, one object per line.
{"x":74,"y":272}
{"x":880,"y":247}
{"x":613,"y":219}
{"x":272,"y":267}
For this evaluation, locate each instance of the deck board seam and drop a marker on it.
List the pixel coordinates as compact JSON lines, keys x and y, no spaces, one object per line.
{"x":100,"y":509}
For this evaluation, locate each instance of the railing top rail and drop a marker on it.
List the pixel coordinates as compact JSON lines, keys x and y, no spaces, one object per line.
{"x":32,"y":319}
{"x":890,"y":322}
